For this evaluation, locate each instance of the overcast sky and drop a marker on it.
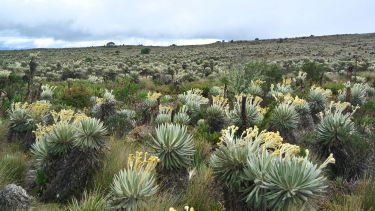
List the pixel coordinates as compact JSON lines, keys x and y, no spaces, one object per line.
{"x":73,"y":23}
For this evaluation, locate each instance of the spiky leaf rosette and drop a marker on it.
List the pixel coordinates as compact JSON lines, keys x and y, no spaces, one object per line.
{"x":182,"y":116}
{"x":47,"y":92}
{"x":358,"y":92}
{"x":284,"y":117}
{"x":282,"y":182}
{"x":230,"y":159}
{"x":254,"y":113}
{"x":228,"y":162}
{"x":216,"y":118}
{"x":193,"y":100}
{"x":292,"y":182}
{"x":90,"y":134}
{"x":40,"y":152}
{"x":173,"y":145}
{"x":163,"y":118}
{"x":131,"y":189}
{"x":20,"y":120}
{"x":60,"y":139}
{"x":335,"y":125}
{"x":257,"y":166}
{"x":318,"y":98}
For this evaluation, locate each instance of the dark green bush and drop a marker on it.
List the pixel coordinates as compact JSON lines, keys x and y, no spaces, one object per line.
{"x":145,"y":50}
{"x":204,"y":132}
{"x":314,"y":70}
{"x":88,"y":60}
{"x":16,"y":87}
{"x":78,"y":97}
{"x":126,"y":90}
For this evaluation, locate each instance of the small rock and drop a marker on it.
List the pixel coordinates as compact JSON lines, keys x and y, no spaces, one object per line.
{"x":14,"y":197}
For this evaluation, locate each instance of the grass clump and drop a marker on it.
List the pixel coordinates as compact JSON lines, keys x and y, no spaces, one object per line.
{"x":13,"y":168}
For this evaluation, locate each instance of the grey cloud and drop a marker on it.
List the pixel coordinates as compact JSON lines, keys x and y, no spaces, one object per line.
{"x":76,"y":22}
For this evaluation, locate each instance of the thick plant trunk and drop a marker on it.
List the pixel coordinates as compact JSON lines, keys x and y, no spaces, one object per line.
{"x":73,"y":176}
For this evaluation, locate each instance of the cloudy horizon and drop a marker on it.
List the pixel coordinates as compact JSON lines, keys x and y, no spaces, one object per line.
{"x":84,"y":23}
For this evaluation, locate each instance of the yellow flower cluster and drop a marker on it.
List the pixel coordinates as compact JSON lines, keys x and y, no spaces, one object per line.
{"x":99,"y":101}
{"x":63,"y":116}
{"x":261,"y":110}
{"x":252,"y":100}
{"x":259,"y":140}
{"x":78,"y":117}
{"x":299,"y":101}
{"x":289,"y":149}
{"x":269,"y":140}
{"x":20,"y":105}
{"x":341,"y":106}
{"x":220,"y":101}
{"x":153,"y":96}
{"x":329,"y":160}
{"x":165,"y":109}
{"x":42,"y":130}
{"x":256,"y":99}
{"x":195,"y":91}
{"x":318,"y":89}
{"x":296,"y":101}
{"x":287,"y":82}
{"x":186,"y":208}
{"x":39,"y":109}
{"x":257,"y":82}
{"x":227,"y":135}
{"x":338,"y":107}
{"x":141,"y":161}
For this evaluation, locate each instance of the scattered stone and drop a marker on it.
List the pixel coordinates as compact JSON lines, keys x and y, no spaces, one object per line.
{"x":14,"y":197}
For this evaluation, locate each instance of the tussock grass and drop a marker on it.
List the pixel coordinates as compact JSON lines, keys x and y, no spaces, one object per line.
{"x":13,"y":168}
{"x":92,"y":201}
{"x":48,"y":207}
{"x":361,"y":199}
{"x":164,"y":201}
{"x":202,"y":193}
{"x":115,"y":160}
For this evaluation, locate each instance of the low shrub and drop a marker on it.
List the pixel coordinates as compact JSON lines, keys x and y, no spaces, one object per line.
{"x":145,"y":50}
{"x":77,"y":96}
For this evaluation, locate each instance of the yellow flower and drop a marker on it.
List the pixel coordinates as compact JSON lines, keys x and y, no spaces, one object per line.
{"x":329,"y":160}
{"x":287,"y":82}
{"x":78,"y":117}
{"x":141,"y":161}
{"x":153,"y":95}
{"x":165,"y":109}
{"x":325,"y":92}
{"x":99,"y":101}
{"x":20,"y":105}
{"x":289,"y":149}
{"x":42,"y":130}
{"x":220,"y":102}
{"x":39,"y":109}
{"x":66,"y":115}
{"x":298,"y":101}
{"x":276,"y":152}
